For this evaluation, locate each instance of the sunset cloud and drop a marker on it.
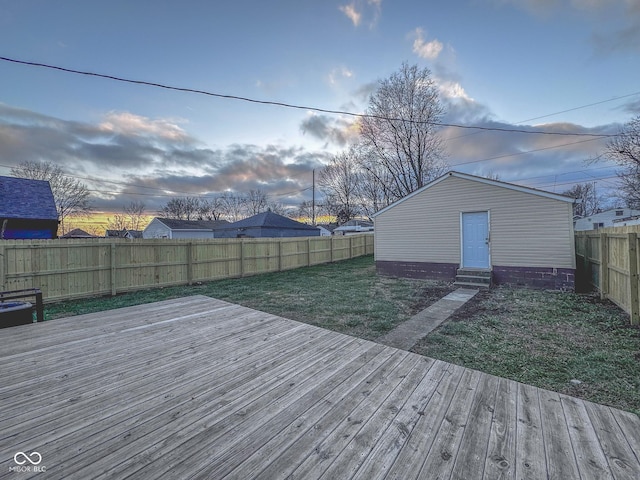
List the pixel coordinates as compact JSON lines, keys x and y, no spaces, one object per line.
{"x":130,"y":124}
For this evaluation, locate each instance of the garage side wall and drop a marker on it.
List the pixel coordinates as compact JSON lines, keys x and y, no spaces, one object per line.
{"x":531,"y":236}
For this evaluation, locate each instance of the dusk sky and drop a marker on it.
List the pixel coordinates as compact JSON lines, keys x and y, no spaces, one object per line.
{"x":567,"y":66}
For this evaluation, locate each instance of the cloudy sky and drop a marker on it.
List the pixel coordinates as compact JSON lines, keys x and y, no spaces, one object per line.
{"x":568,"y":66}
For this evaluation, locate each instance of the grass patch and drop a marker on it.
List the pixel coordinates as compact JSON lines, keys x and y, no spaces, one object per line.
{"x":347,"y":297}
{"x":546,"y":339}
{"x":540,"y":338}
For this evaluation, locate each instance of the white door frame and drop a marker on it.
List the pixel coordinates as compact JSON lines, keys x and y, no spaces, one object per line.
{"x":488,"y":212}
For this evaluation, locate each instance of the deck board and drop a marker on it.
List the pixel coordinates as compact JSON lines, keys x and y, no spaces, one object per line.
{"x":200,"y":388}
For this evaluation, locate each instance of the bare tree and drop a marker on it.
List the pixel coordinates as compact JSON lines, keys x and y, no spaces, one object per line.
{"x":134,"y":212}
{"x":131,"y":218}
{"x":232,"y":205}
{"x":375,"y":191}
{"x":400,"y":131}
{"x":624,"y":149}
{"x":256,"y":201}
{"x":119,"y":222}
{"x":305,"y":210}
{"x":181,"y":208}
{"x":71,"y":196}
{"x":589,"y":202}
{"x":339,"y":181}
{"x":210,"y":209}
{"x":279,"y":208}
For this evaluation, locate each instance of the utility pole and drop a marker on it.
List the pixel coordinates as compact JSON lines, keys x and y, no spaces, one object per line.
{"x":313,"y":198}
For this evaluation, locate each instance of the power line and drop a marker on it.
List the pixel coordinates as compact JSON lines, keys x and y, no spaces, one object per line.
{"x":525,"y":152}
{"x":571,"y":183}
{"x":563,"y":173}
{"x":294,"y":106}
{"x":558,"y":112}
{"x":581,"y":107}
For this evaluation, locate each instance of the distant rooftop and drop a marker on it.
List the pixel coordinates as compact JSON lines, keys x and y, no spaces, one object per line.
{"x":269,"y":220}
{"x":175,"y":224}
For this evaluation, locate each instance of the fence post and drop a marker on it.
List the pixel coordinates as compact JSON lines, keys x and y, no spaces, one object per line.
{"x":241,"y":257}
{"x":3,"y":262}
{"x":586,"y":274}
{"x":331,"y":238}
{"x":604,"y":266}
{"x":632,"y":238}
{"x":280,"y":254}
{"x":189,"y":263}
{"x":350,"y":246}
{"x":308,"y":251}
{"x":113,"y":269}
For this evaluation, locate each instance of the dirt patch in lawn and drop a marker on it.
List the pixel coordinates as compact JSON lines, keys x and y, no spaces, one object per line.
{"x":476,"y":306}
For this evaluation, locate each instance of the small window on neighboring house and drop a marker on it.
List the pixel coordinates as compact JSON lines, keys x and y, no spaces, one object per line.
{"x":619,"y":213}
{"x":596,"y":226}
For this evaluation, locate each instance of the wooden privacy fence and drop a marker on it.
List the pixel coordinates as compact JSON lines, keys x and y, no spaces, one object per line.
{"x":66,"y":269}
{"x":607,"y":259}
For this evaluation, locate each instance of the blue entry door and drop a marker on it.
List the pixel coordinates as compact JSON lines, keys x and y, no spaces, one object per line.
{"x":475,"y":240}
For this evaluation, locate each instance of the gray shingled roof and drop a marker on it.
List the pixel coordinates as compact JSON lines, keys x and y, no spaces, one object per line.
{"x":269,"y":220}
{"x":174,"y":224}
{"x":77,"y":233}
{"x":26,"y":198}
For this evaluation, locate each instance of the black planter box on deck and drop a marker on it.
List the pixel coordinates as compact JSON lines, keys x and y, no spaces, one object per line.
{"x":15,"y":313}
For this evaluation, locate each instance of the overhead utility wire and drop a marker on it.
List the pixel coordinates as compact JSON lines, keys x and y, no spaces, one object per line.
{"x":298,"y":107}
{"x":524,"y":153}
{"x":559,"y":112}
{"x":580,"y":107}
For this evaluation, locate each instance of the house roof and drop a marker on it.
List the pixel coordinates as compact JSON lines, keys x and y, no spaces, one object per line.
{"x":357,"y":223}
{"x":488,"y":181}
{"x":328,"y":226}
{"x":175,"y":224}
{"x":269,"y":220}
{"x":124,"y":233}
{"x":26,"y":198}
{"x":77,"y":233}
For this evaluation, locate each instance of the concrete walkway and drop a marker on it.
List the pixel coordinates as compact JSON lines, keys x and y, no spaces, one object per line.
{"x":407,"y":334}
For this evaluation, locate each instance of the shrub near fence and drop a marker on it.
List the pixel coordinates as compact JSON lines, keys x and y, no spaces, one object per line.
{"x":66,"y":269}
{"x":607,"y":259}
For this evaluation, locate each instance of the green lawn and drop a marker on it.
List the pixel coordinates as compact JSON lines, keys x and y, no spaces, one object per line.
{"x":346,"y":296}
{"x":546,"y":339}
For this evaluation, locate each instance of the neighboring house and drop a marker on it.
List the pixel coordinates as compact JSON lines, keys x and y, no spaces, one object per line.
{"x":177,"y":229}
{"x":326,"y":230}
{"x":77,"y":233}
{"x":520,"y":235}
{"x":616,"y":217}
{"x":27,"y":209}
{"x":124,"y":233}
{"x":354,"y":226}
{"x":267,"y":224}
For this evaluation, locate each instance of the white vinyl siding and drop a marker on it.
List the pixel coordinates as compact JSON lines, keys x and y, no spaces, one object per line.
{"x":156,"y":229}
{"x":181,"y":234}
{"x":526,"y":229}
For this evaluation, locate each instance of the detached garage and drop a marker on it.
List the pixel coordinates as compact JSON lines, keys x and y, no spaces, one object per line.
{"x":460,"y":224}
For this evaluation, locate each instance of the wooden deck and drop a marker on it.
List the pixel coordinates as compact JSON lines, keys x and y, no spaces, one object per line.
{"x":200,"y":388}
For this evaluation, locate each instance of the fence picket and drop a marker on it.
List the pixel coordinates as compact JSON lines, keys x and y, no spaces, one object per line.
{"x":616,"y":265}
{"x":66,"y":269}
